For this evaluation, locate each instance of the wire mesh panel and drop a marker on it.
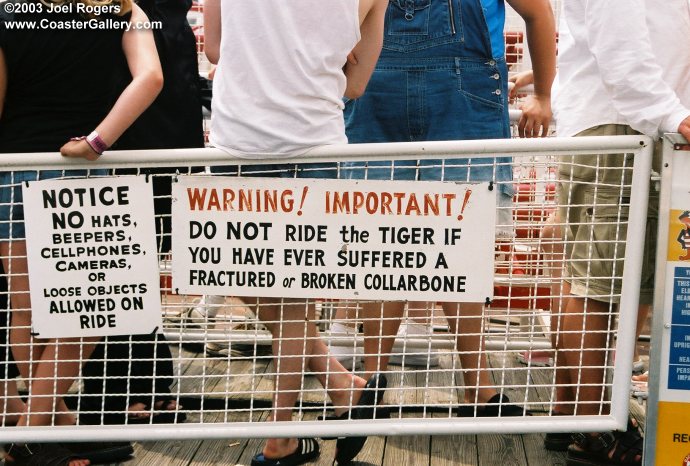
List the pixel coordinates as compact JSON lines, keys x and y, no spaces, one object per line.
{"x":220,"y":364}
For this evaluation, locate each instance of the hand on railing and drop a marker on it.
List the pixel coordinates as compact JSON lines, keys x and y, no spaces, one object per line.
{"x":86,"y":147}
{"x":536,"y":110}
{"x":684,"y":128}
{"x":536,"y":117}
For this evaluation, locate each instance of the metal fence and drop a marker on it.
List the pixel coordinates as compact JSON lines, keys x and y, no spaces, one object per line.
{"x":220,"y":371}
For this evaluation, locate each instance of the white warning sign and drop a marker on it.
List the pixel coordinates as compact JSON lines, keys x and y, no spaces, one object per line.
{"x":91,"y":250}
{"x":347,"y":239}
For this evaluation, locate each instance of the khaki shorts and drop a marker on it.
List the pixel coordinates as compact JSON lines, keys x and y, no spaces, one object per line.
{"x":593,"y":194}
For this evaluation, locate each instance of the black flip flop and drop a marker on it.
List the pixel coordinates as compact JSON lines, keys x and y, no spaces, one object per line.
{"x":382,"y":412}
{"x":307,"y":450}
{"x":348,"y":447}
{"x":498,"y":405}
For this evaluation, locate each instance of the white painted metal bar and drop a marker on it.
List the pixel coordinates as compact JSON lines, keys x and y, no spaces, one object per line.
{"x":485,"y":148}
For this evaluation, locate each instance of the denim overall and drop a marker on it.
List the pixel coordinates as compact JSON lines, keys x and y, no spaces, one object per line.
{"x":436,"y":79}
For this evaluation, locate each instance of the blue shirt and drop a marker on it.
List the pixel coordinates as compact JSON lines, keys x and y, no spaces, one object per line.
{"x":495,"y":15}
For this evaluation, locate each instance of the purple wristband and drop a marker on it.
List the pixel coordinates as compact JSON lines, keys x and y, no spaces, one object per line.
{"x":96,"y":142}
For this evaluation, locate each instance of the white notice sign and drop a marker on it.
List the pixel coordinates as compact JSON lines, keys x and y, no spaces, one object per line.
{"x":91,"y":250}
{"x":347,"y":239}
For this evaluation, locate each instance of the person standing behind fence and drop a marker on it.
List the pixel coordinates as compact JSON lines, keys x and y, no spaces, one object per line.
{"x":281,"y":75}
{"x":624,"y":68}
{"x":11,"y":405}
{"x":49,"y":98}
{"x":442,"y":75}
{"x":139,"y":368}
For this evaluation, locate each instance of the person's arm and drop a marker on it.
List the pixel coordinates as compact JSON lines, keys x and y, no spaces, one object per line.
{"x":147,"y":81}
{"x":212,"y":30}
{"x":541,"y":39}
{"x":362,"y":60}
{"x":3,"y":80}
{"x":618,"y":38}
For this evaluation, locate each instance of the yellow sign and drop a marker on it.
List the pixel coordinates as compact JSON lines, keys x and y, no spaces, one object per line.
{"x":679,"y":236}
{"x":673,"y":434}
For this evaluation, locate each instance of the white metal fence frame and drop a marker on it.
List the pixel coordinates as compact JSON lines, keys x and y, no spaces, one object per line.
{"x":674,"y":145}
{"x":640,"y":146}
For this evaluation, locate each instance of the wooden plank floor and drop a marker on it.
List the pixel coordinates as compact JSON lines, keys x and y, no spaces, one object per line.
{"x":460,"y":450}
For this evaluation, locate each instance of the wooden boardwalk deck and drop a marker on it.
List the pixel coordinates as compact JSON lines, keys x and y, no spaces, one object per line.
{"x":460,"y":450}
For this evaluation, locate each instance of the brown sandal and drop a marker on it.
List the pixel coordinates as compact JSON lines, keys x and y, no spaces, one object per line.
{"x":608,"y":448}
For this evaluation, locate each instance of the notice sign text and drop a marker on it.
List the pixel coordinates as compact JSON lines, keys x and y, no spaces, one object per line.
{"x":387,"y":240}
{"x":91,"y":250}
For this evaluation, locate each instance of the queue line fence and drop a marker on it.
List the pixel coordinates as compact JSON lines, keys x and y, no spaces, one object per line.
{"x":222,"y":369}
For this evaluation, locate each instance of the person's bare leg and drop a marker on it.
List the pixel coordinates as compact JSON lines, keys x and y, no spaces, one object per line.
{"x":344,"y":388}
{"x":565,"y":394}
{"x":36,"y":359}
{"x":28,"y":354}
{"x":381,"y":323}
{"x":586,"y":334}
{"x":584,"y":341}
{"x":12,"y":404}
{"x":551,"y":241}
{"x":468,"y":319}
{"x":289,"y":321}
{"x":24,"y":349}
{"x":55,"y":373}
{"x":59,"y":366}
{"x":553,"y":258}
